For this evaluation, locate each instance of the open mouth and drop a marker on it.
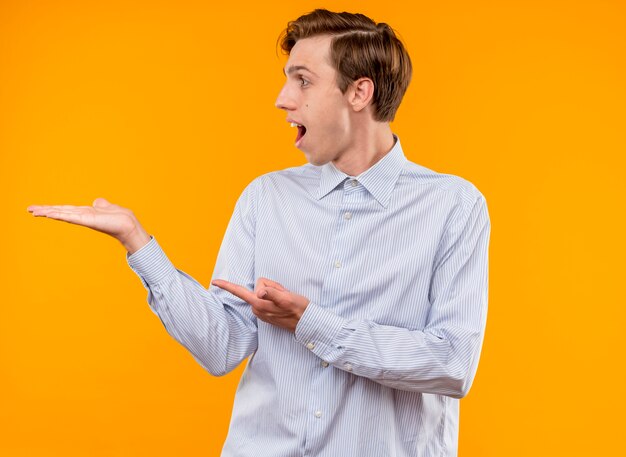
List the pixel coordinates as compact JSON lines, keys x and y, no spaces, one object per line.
{"x":301,"y":131}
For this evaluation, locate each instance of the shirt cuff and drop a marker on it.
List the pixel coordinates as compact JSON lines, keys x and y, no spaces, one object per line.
{"x":150,"y":262}
{"x":317,"y":329}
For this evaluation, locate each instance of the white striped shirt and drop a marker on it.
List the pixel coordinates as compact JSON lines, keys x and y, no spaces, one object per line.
{"x":394,"y":262}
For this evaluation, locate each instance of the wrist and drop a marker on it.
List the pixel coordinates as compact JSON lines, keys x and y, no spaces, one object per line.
{"x":135,"y":240}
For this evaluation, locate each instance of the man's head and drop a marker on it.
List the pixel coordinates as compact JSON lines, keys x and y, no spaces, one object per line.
{"x":346,"y":77}
{"x":359,"y":48}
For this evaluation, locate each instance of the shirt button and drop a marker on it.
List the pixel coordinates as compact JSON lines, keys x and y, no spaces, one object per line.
{"x":310,"y":346}
{"x":354,"y":183}
{"x":348,"y":367}
{"x":347,"y":216}
{"x":318,"y":414}
{"x":337,"y":264}
{"x":324,"y":363}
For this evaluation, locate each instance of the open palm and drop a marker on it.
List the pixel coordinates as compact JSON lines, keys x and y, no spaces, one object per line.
{"x":103,"y":216}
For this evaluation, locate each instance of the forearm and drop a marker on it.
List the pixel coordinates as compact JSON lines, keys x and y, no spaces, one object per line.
{"x":441,"y":361}
{"x":204,"y":321}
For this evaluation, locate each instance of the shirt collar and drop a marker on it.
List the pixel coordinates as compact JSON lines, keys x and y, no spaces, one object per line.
{"x":379,"y":180}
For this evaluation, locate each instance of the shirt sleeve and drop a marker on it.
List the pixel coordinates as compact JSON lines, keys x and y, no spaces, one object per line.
{"x":441,"y":358}
{"x":218,"y":328}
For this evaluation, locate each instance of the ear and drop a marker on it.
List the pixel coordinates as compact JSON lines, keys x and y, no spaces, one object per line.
{"x":361,"y":93}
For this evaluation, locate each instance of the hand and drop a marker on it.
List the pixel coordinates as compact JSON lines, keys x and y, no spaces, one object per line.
{"x":105,"y":217}
{"x":270,"y":302}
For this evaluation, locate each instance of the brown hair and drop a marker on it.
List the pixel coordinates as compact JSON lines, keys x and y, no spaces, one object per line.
{"x":359,"y":48}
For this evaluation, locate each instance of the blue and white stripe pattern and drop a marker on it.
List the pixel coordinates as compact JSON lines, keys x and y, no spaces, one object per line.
{"x":394,"y":262}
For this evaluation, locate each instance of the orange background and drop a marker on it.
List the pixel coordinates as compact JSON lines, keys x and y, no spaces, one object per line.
{"x":167,"y":108}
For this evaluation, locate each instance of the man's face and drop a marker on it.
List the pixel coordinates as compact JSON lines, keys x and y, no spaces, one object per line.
{"x":313,"y":100}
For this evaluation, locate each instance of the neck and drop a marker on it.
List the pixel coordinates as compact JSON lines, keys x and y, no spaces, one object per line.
{"x":371,"y":144}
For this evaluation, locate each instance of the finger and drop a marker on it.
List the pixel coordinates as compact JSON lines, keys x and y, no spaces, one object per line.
{"x":101,"y":203}
{"x":47,"y":210}
{"x":272,"y":294}
{"x":73,"y":218}
{"x":270,"y":283}
{"x":32,"y":208}
{"x":235,"y":289}
{"x":41,"y":210}
{"x":264,"y":308}
{"x":36,"y":208}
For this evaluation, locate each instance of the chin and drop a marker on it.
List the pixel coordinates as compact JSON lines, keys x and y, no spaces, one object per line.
{"x":317,"y":161}
{"x":312,"y":158}
{"x":317,"y":158}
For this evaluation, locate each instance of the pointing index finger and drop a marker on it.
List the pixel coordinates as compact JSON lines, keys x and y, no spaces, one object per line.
{"x":235,"y":289}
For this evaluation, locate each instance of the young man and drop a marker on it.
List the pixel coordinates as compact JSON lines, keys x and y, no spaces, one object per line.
{"x":355,"y":284}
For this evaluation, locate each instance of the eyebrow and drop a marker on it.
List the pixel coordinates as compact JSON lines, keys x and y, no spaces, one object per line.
{"x":294,"y":68}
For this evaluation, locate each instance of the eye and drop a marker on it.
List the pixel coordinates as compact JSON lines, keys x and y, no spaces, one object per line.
{"x":303,"y":82}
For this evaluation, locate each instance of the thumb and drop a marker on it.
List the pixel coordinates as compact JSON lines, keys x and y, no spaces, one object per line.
{"x":268,"y":282}
{"x":101,"y":203}
{"x":269,"y":293}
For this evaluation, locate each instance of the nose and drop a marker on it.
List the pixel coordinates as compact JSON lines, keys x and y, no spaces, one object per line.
{"x":285,"y":100}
